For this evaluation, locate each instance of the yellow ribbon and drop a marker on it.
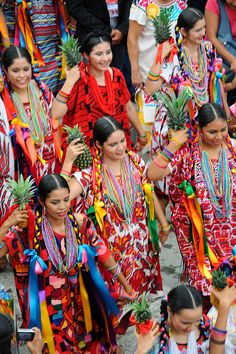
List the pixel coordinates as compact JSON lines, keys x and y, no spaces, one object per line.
{"x":17,"y":121}
{"x":85,"y":303}
{"x":99,"y":212}
{"x":148,"y":190}
{"x":46,"y":328}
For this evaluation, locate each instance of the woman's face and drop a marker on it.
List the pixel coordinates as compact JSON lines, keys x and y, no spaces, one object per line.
{"x":231,"y":3}
{"x":215,"y":133}
{"x":19,"y":74}
{"x":57,"y":204}
{"x":100,"y":57}
{"x":196,"y":34}
{"x":115,"y":146}
{"x":186,"y":321}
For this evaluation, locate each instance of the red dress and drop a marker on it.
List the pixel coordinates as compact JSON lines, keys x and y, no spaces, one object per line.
{"x":83,"y":110}
{"x":220,"y":233}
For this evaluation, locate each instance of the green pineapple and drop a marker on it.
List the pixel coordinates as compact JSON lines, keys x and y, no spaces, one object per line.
{"x":85,"y":159}
{"x":177,"y":107}
{"x":219,"y":282}
{"x":162,"y":25}
{"x":22,"y":191}
{"x":141,"y":310}
{"x":70,"y":49}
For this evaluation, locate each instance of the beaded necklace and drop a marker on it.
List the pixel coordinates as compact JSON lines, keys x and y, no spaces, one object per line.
{"x":220,"y":191}
{"x":106,"y":104}
{"x":37,"y":124}
{"x":53,"y":249}
{"x":120,"y":195}
{"x":198,"y":78}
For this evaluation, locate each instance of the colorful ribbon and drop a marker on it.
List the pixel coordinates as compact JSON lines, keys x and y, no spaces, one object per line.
{"x":96,"y":277}
{"x":151,"y":216}
{"x":34,"y":303}
{"x":100,"y":212}
{"x":46,"y":324}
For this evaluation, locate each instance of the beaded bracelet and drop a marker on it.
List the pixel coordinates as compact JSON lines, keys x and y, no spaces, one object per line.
{"x":113,"y":267}
{"x":153,"y":74}
{"x":165,"y":156}
{"x":115,"y":275}
{"x":56,"y":98}
{"x":158,"y":165}
{"x":168,"y":153}
{"x":62,"y":93}
{"x":177,"y":142}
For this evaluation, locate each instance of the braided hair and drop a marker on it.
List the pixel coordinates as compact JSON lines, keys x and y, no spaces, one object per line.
{"x":186,"y":20}
{"x":180,"y":298}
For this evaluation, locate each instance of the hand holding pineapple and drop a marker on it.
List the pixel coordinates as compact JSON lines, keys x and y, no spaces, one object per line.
{"x":225,"y":297}
{"x":179,"y":137}
{"x":72,"y":76}
{"x":74,"y":149}
{"x":145,"y":341}
{"x":17,"y":218}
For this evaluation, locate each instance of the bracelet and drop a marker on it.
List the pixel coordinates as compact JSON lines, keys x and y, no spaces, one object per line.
{"x":158,"y":165}
{"x":2,"y":244}
{"x":166,"y":228}
{"x":113,"y":267}
{"x":165,"y":156}
{"x":153,"y":74}
{"x":62,"y":93}
{"x":115,"y":275}
{"x":220,"y":342}
{"x":66,"y":172}
{"x":222,"y":331}
{"x":142,"y":135}
{"x":152,"y":78}
{"x":65,"y":176}
{"x":168,"y":153}
{"x":56,"y":98}
{"x":177,"y":142}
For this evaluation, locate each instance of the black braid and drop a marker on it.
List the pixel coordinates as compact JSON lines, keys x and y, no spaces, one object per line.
{"x":164,"y":334}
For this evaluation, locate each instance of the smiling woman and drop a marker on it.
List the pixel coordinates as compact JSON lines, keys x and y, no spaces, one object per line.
{"x":96,"y":89}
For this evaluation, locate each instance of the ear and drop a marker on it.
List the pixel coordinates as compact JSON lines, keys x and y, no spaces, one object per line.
{"x":86,"y":56}
{"x":183,"y":33}
{"x":98,"y":145}
{"x":40,"y":202}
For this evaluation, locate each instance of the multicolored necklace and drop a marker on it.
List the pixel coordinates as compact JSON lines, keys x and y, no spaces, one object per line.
{"x":220,"y":191}
{"x":198,"y":78}
{"x":121,"y":191}
{"x":37,"y":123}
{"x":106,"y":104}
{"x":53,"y":249}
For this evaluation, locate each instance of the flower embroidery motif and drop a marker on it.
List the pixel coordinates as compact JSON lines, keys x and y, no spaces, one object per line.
{"x":152,"y":11}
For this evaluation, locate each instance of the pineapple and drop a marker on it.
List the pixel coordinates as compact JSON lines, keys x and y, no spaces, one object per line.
{"x":85,"y":159}
{"x":177,"y":107}
{"x":70,"y":49}
{"x":219,"y":281}
{"x":141,"y":310}
{"x":22,"y":192}
{"x":162,"y":25}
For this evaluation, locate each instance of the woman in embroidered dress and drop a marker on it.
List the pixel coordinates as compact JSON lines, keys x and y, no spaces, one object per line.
{"x":73,"y":302}
{"x":193,"y":65}
{"x":183,"y":327}
{"x":38,"y":25}
{"x":115,"y":187}
{"x":208,"y":165}
{"x":97,"y":91}
{"x":36,"y":142}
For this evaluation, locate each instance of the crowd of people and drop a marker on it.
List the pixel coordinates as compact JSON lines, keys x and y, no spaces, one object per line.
{"x":158,"y":73}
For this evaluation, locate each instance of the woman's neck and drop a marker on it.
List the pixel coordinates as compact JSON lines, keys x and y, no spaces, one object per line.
{"x":57,"y":225}
{"x":114,"y":166}
{"x":193,"y":50}
{"x":98,"y":74}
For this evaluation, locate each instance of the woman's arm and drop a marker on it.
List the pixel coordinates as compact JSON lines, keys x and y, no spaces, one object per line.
{"x":226,"y":298}
{"x":158,"y":169}
{"x":133,"y":118}
{"x":59,"y":104}
{"x":212,"y":24}
{"x":153,"y":84}
{"x":135,"y":30}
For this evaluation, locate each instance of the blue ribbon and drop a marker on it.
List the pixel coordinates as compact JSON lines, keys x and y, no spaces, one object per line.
{"x":34,"y":302}
{"x":97,"y":278}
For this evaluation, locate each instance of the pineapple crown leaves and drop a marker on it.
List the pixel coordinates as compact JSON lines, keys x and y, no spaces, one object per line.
{"x":141,"y":310}
{"x":71,"y":49}
{"x":73,"y":133}
{"x":162,"y":25}
{"x":219,"y":279}
{"x":22,"y":191}
{"x":177,"y":107}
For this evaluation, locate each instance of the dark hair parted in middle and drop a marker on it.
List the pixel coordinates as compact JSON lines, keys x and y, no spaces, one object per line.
{"x":104,"y":127}
{"x":208,"y":113}
{"x":50,"y":183}
{"x":13,"y":53}
{"x":188,"y":18}
{"x":92,"y":39}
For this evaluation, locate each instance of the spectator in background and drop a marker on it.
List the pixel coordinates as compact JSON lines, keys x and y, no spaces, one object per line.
{"x":198,"y":4}
{"x":109,"y":16}
{"x":221,"y":31}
